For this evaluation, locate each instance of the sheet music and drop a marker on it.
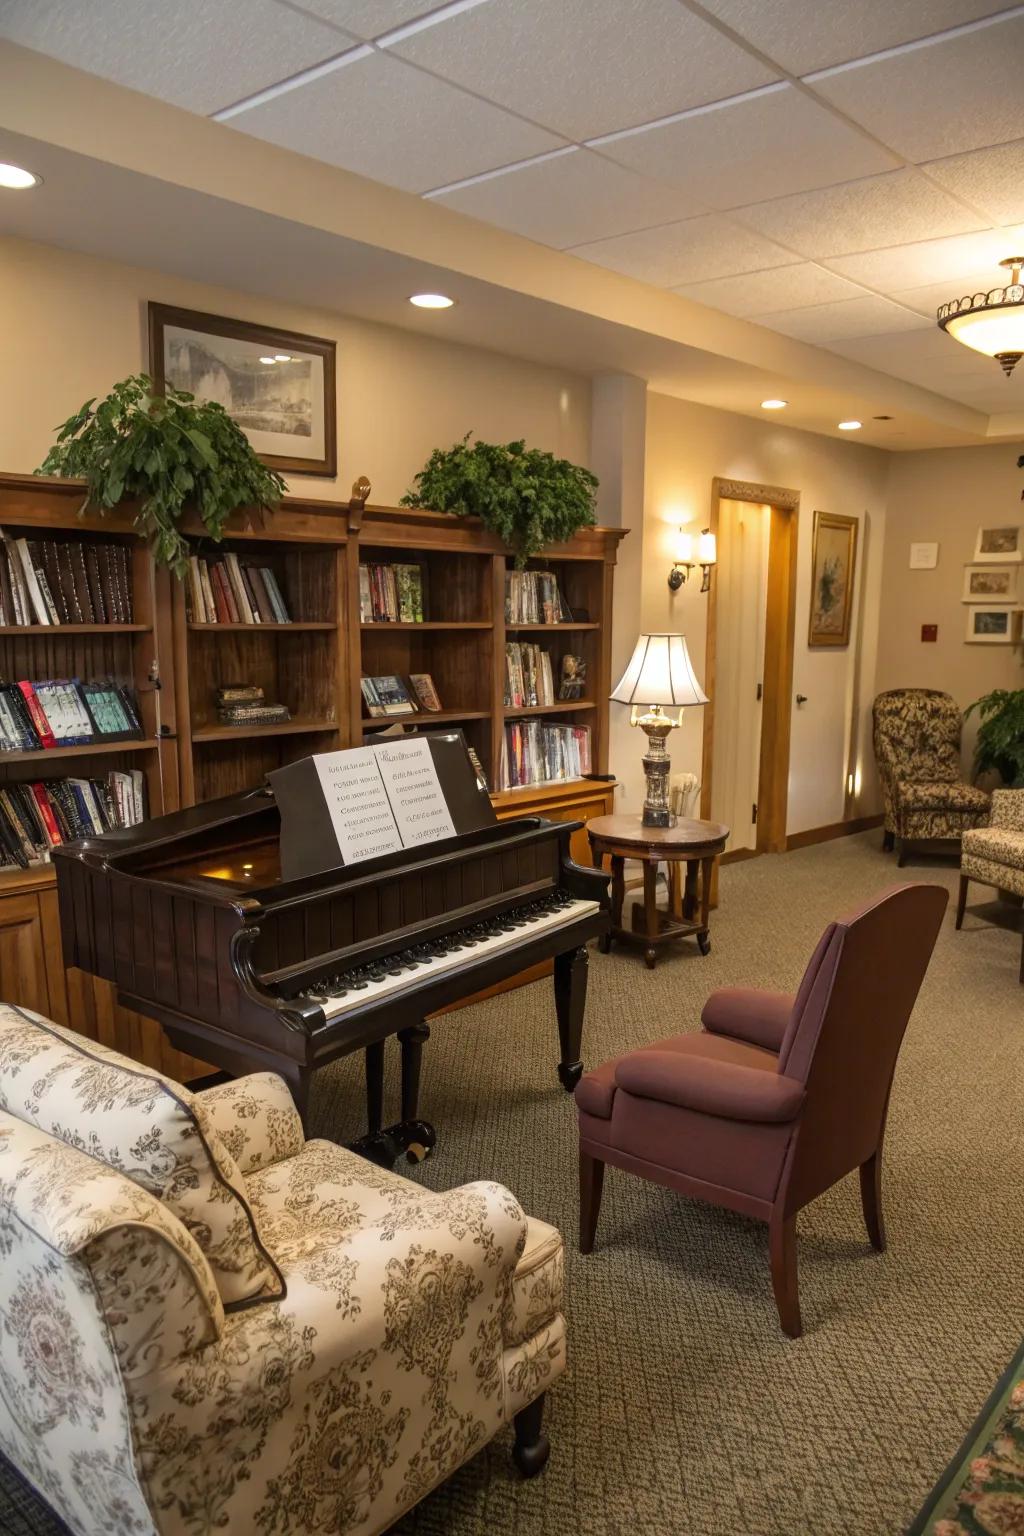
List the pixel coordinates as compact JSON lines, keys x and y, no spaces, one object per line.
{"x":417,"y":800}
{"x":358,"y":803}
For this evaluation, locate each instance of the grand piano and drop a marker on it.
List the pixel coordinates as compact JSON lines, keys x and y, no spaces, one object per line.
{"x":190,"y":917}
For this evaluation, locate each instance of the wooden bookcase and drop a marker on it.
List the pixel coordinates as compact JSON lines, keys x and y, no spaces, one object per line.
{"x":314,"y":665}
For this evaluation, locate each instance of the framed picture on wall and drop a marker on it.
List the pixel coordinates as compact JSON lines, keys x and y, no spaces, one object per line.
{"x":998,"y":545}
{"x":833,"y":568}
{"x":990,"y":583}
{"x":278,"y":386}
{"x":992,"y":625}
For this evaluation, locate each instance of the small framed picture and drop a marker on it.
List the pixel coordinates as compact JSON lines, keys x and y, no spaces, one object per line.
{"x":998,"y":545}
{"x":991,"y":625}
{"x":924,"y":557}
{"x":833,"y":566}
{"x":990,"y":583}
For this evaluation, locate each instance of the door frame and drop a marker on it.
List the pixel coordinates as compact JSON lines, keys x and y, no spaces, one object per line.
{"x":780,"y":631}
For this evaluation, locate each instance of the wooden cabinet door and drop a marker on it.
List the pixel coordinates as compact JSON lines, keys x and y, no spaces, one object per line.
{"x":22,"y":963}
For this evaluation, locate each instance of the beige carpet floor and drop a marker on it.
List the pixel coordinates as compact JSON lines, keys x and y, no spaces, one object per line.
{"x":685,"y":1410}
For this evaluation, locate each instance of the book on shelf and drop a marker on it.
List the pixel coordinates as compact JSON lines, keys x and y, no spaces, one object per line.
{"x":538,"y":752}
{"x":392,"y":594}
{"x":478,"y":768}
{"x":528,"y":675}
{"x":246,"y":704}
{"x":37,"y":816}
{"x":573,"y":681}
{"x":233,"y":591}
{"x":427,"y":695}
{"x":386,"y":696}
{"x":534,"y":597}
{"x":63,"y":581}
{"x":61,"y":712}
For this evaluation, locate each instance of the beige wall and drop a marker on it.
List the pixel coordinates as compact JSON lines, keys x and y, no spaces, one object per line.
{"x":943,"y":496}
{"x":686,"y":446}
{"x":73,"y":325}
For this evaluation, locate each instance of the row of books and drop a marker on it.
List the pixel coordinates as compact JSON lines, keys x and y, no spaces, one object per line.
{"x":534,"y":597}
{"x":392,"y":594}
{"x":64,"y":581}
{"x":36,"y":817}
{"x":529,"y":679}
{"x":246,"y":704}
{"x":391,"y":695}
{"x":535,"y":752}
{"x":230,"y":591}
{"x":62,"y":712}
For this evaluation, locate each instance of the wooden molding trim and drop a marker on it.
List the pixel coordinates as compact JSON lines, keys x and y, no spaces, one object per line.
{"x":836,"y":829}
{"x":748,"y":490}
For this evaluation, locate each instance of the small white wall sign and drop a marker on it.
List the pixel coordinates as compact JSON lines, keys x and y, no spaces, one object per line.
{"x":924,"y":557}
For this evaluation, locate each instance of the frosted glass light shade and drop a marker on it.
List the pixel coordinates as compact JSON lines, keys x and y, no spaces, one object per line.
{"x":706,"y":550}
{"x":660,"y":672}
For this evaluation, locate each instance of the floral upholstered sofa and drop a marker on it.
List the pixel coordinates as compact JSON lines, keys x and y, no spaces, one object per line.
{"x":208,"y":1323}
{"x":917,"y":749}
{"x":994,"y":855}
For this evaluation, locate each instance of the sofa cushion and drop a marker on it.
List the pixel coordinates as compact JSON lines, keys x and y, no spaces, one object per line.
{"x":145,"y":1126}
{"x":999,"y":845}
{"x":941,"y":795}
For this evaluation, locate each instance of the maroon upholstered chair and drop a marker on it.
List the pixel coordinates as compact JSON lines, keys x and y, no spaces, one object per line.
{"x":777,"y":1097}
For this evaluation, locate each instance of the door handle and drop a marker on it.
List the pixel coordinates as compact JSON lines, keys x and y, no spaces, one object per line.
{"x":801,"y":698}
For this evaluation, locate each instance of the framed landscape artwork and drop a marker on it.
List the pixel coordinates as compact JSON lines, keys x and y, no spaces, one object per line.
{"x":277,"y":385}
{"x":998,"y":545}
{"x":990,"y":583}
{"x":833,"y":568}
{"x":992,"y":625}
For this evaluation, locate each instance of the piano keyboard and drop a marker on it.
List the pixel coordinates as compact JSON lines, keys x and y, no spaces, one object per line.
{"x":419,"y":965}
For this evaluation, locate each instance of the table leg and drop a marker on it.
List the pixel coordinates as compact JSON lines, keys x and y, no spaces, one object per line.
{"x":618,"y":897}
{"x":703,"y":934}
{"x":675,"y":889}
{"x":690,"y":899}
{"x":651,"y":910}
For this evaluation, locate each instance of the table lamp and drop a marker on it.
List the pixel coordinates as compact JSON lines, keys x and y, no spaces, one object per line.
{"x":660,"y":674}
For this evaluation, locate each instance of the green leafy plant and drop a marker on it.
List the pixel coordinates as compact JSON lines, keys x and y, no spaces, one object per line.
{"x":171,"y":453}
{"x":1000,"y":743}
{"x":527,"y":497}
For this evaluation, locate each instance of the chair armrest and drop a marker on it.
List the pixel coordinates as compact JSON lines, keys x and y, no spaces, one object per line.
{"x":760,"y":1018}
{"x":256,"y":1120}
{"x":711,"y":1087}
{"x":1008,"y":809}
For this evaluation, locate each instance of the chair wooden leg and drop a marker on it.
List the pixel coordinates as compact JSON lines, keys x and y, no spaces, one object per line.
{"x":1020,"y":977}
{"x":782,"y":1250}
{"x":591,"y":1185}
{"x":888,"y":840}
{"x":901,"y":852}
{"x":871,"y":1199}
{"x":532,"y":1448}
{"x":961,"y":900}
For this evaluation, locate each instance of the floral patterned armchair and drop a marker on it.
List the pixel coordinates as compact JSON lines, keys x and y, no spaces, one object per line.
{"x":917,"y":749}
{"x":994,"y":855}
{"x":208,"y":1322}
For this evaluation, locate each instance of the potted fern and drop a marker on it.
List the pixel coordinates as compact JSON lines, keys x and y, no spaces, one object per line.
{"x":169,"y":452}
{"x":527,"y":497}
{"x":1000,"y":743}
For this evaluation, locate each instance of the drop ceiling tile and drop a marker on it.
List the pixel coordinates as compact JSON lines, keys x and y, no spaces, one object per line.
{"x":686,"y":252}
{"x":991,"y":179}
{"x":927,"y":299}
{"x":586,"y":67}
{"x":571,"y":199}
{"x":938,"y":99}
{"x":191,"y":53}
{"x":802,"y":35}
{"x":384,"y":120}
{"x":867,"y":316}
{"x":368,"y":18}
{"x":927,"y":261}
{"x":861,"y":215}
{"x":758,"y":293}
{"x":744,"y":151}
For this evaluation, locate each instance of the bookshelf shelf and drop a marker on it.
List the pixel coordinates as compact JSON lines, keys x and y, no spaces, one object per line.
{"x":242,"y":733}
{"x":560,"y":707}
{"x":384,"y":626}
{"x":548,"y":629}
{"x":75,"y":629}
{"x":297,"y":626}
{"x":93,"y":749}
{"x":424,"y":717}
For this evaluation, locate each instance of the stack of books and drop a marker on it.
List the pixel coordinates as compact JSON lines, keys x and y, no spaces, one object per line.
{"x":64,"y":713}
{"x":226,"y":591}
{"x":36,"y":817}
{"x":535,"y":752}
{"x":392,"y":594}
{"x":64,"y":581}
{"x":533,"y":597}
{"x":245,"y":704}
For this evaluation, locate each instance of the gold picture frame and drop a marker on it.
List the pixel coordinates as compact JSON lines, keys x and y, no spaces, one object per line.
{"x":833,"y":579}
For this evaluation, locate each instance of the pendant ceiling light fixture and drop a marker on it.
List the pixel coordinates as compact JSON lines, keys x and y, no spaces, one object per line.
{"x":991,"y":322}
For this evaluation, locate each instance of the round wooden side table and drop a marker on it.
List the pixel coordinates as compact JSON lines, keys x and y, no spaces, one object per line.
{"x":693,"y":843}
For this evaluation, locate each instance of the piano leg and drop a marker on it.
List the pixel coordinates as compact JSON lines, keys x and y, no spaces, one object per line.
{"x":416,"y":1138}
{"x":570,"y":1002}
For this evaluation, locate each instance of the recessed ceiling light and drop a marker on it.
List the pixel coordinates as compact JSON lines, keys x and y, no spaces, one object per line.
{"x":282,"y":357}
{"x":881,"y":418}
{"x":268,"y":359}
{"x":431,"y":300}
{"x":850,"y":426}
{"x":16,"y":179}
{"x":774,"y":405}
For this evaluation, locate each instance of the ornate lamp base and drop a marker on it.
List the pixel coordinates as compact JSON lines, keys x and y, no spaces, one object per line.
{"x":657,"y":765}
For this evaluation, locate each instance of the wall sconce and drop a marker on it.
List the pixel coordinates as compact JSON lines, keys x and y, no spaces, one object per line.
{"x":684,"y":562}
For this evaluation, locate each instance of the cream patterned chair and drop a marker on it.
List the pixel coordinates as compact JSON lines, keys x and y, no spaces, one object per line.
{"x":209,"y":1323}
{"x":917,"y":750}
{"x":994,"y":855}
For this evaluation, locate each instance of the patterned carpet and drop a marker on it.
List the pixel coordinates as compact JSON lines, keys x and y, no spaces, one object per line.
{"x":685,"y":1410}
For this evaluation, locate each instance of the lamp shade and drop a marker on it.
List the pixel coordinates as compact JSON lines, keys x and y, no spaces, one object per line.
{"x":660,"y":672}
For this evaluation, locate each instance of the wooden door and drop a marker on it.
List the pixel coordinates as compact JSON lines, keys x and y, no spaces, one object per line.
{"x":22,"y":964}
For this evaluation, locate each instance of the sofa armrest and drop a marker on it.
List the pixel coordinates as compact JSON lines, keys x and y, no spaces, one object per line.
{"x":760,"y":1018}
{"x":711,"y":1087}
{"x":1008,"y":809}
{"x":256,"y":1119}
